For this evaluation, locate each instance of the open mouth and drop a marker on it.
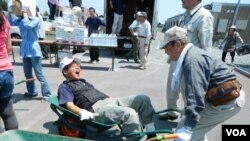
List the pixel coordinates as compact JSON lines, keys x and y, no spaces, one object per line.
{"x":77,"y":72}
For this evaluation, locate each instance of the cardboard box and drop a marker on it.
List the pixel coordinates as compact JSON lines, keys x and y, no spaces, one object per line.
{"x":70,"y":35}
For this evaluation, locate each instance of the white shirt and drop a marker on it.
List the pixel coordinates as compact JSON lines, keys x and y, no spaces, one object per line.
{"x":135,"y":26}
{"x":145,"y":30}
{"x":41,"y":26}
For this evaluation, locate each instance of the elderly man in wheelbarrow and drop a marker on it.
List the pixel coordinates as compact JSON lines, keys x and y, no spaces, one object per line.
{"x":81,"y":97}
{"x":212,"y":92}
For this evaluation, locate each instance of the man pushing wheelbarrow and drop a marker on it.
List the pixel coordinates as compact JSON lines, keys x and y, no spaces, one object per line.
{"x":212,"y":92}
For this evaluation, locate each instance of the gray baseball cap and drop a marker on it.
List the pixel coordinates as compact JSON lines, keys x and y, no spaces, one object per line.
{"x":173,"y":34}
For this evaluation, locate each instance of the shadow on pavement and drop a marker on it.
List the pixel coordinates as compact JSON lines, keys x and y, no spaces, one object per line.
{"x":164,"y":124}
{"x":97,"y":68}
{"x":18,"y":97}
{"x":54,"y":65}
{"x":130,"y":67}
{"x":51,"y":127}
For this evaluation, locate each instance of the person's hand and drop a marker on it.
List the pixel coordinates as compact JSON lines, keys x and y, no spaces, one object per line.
{"x":87,"y":115}
{"x":184,"y":134}
{"x":135,"y":34}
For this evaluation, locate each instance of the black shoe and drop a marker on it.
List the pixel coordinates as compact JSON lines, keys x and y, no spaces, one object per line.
{"x":167,"y":116}
{"x":127,"y":58}
{"x":74,"y":51}
{"x":29,"y":95}
{"x":45,"y":58}
{"x":137,"y":61}
{"x":151,"y":136}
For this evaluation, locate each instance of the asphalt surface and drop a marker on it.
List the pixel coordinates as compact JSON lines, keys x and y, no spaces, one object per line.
{"x":33,"y":115}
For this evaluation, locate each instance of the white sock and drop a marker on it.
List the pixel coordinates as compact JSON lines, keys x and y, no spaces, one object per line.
{"x":150,"y":127}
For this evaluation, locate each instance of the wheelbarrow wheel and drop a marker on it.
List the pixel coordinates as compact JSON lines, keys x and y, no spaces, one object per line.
{"x":71,"y":132}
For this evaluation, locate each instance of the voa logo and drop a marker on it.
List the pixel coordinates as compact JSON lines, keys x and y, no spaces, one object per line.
{"x":236,"y":132}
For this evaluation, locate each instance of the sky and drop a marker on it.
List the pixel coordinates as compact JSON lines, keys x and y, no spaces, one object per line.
{"x":167,"y":8}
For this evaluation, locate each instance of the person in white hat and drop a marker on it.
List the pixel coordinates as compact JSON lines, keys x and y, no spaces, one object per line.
{"x":144,"y":35}
{"x":82,"y":98}
{"x":212,"y":92}
{"x":231,"y":39}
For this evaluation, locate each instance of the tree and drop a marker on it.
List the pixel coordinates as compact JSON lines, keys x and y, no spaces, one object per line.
{"x":159,"y":25}
{"x":3,"y":5}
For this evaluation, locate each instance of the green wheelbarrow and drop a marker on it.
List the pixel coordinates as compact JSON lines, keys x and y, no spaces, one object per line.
{"x":69,"y":124}
{"x":21,"y":135}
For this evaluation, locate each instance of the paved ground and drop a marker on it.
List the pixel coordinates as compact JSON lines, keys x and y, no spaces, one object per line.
{"x":127,"y":80}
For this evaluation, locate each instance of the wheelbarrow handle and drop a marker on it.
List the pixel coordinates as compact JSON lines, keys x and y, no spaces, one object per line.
{"x":26,"y":80}
{"x":164,"y":137}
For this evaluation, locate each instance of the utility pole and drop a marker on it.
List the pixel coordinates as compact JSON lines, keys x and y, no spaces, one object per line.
{"x":236,"y":13}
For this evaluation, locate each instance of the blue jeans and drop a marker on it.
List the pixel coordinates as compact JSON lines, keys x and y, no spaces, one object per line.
{"x":36,"y":63}
{"x":6,"y":83}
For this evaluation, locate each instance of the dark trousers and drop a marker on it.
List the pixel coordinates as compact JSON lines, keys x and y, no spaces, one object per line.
{"x":7,"y":114}
{"x":44,"y":50}
{"x":224,"y":54}
{"x":134,"y":52}
{"x":94,"y":54}
{"x":52,"y":11}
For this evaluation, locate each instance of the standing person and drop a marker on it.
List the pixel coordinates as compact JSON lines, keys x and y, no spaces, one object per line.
{"x":42,"y":34}
{"x":144,"y":35}
{"x":133,"y":28}
{"x":6,"y":76}
{"x":212,"y":91}
{"x":118,"y":9}
{"x":76,"y":5}
{"x":199,"y":23}
{"x":31,"y":53}
{"x":81,"y":97}
{"x":53,"y":7}
{"x":142,"y":5}
{"x":93,"y":22}
{"x":231,"y":39}
{"x":77,"y":20}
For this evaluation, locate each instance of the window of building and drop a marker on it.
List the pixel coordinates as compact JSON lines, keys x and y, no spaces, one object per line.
{"x":241,"y":24}
{"x":222,"y":26}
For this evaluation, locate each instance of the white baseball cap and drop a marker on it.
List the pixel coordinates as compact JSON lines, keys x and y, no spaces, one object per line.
{"x":66,"y":61}
{"x":142,"y":14}
{"x":233,"y":27}
{"x":173,"y":34}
